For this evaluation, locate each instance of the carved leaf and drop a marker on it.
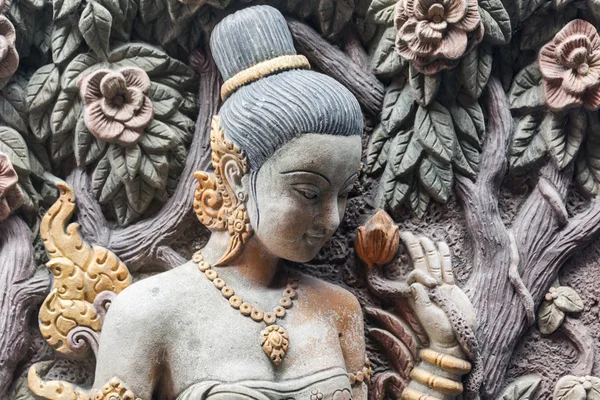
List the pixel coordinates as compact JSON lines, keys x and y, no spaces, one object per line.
{"x":496,"y":22}
{"x":165,"y":100}
{"x":61,"y":145}
{"x":381,"y":12}
{"x":541,"y":28}
{"x":523,"y":388}
{"x":525,"y":93}
{"x":594,"y":7}
{"x":125,"y":161}
{"x":13,"y":145}
{"x":392,"y":191}
{"x":66,"y":112}
{"x":398,"y":105}
{"x":568,"y":300}
{"x":424,"y":87}
{"x":139,"y":194}
{"x":154,"y":170}
{"x":95,"y":26}
{"x":377,"y":150}
{"x":43,"y":87}
{"x":151,"y":9}
{"x":475,"y":69}
{"x":158,"y":138}
{"x":39,"y":123}
{"x":588,"y":162}
{"x":396,"y":327}
{"x":65,"y":40}
{"x":87,"y":148}
{"x":10,"y":116}
{"x":333,"y":15}
{"x":139,"y":55}
{"x":404,"y":153}
{"x":398,"y":354}
{"x":550,"y":317}
{"x":435,"y":131}
{"x":569,"y":388}
{"x":527,"y":146}
{"x":594,"y":392}
{"x":419,"y":200}
{"x":436,"y":177}
{"x":62,"y":8}
{"x":563,"y":134}
{"x":385,"y":61}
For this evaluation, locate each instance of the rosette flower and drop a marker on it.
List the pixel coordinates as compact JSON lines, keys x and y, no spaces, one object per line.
{"x":9,"y":58}
{"x":11,"y":197}
{"x":116,"y":106}
{"x":570,"y":67}
{"x":435,"y":34}
{"x":377,"y":242}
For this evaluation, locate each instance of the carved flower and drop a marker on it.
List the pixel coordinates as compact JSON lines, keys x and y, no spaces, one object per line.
{"x":11,"y":197}
{"x":435,"y":34}
{"x":377,"y":242}
{"x":116,"y":106}
{"x":9,"y":58}
{"x":570,"y":67}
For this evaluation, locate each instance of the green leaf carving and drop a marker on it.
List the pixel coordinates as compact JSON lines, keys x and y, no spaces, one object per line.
{"x":563,"y":135}
{"x":333,"y":15}
{"x":154,"y":169}
{"x":82,"y":63}
{"x":404,"y":152}
{"x":436,"y":177}
{"x":151,"y":9}
{"x":65,"y":40}
{"x":385,"y":61}
{"x":95,"y":26}
{"x":125,"y":161}
{"x":550,"y":317}
{"x":83,"y":142}
{"x":569,"y":388}
{"x":67,"y":110}
{"x":376,"y":150}
{"x":158,"y":138}
{"x":475,"y":69}
{"x":139,"y":55}
{"x":568,"y":300}
{"x":435,"y":131}
{"x":100,"y":176}
{"x":165,"y":100}
{"x":43,"y":87}
{"x":392,"y":192}
{"x":40,"y":125}
{"x":588,"y":162}
{"x":528,"y":146}
{"x":13,"y":145}
{"x":10,"y":116}
{"x":419,"y":200}
{"x":424,"y":87}
{"x":541,"y":28}
{"x":382,"y":12}
{"x":496,"y":21}
{"x":62,"y":8}
{"x":526,"y":91}
{"x":139,"y":195}
{"x":523,"y":388}
{"x":61,"y":146}
{"x":398,"y":105}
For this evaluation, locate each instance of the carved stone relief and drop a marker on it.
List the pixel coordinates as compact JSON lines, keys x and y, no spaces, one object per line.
{"x":463,"y":237}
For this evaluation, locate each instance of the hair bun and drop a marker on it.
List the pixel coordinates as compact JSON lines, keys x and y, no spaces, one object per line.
{"x":248,"y":37}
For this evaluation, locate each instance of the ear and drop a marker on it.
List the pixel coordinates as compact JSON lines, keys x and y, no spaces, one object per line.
{"x":235,"y":180}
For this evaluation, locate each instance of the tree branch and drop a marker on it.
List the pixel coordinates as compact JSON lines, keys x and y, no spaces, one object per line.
{"x":363,"y":84}
{"x":578,"y":333}
{"x":147,"y":241}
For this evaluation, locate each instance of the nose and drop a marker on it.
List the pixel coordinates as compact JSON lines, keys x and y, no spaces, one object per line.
{"x":330,"y":218}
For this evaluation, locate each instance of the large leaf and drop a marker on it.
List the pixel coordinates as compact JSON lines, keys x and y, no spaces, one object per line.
{"x":62,"y":8}
{"x":376,"y":149}
{"x":139,"y":55}
{"x":563,"y":134}
{"x":66,"y":39}
{"x":541,"y":28}
{"x":569,"y":388}
{"x":84,"y":144}
{"x":526,"y":91}
{"x":550,"y":317}
{"x":419,"y":200}
{"x":523,"y":388}
{"x":10,"y":116}
{"x":475,"y":69}
{"x":528,"y":146}
{"x":588,"y":162}
{"x":496,"y":21}
{"x":397,"y":352}
{"x":468,"y":122}
{"x":165,"y":100}
{"x":125,"y":161}
{"x":158,"y":138}
{"x":424,"y":87}
{"x":151,"y":9}
{"x":382,"y":12}
{"x":398,"y":105}
{"x":80,"y":65}
{"x":436,"y":177}
{"x":385,"y":61}
{"x":435,"y":131}
{"x":61,"y":146}
{"x":13,"y":145}
{"x":392,"y":192}
{"x":95,"y":26}
{"x":568,"y":300}
{"x":139,"y":195}
{"x":154,"y":169}
{"x":333,"y":15}
{"x":66,"y":112}
{"x":39,"y":123}
{"x":404,"y":152}
{"x":43,"y":87}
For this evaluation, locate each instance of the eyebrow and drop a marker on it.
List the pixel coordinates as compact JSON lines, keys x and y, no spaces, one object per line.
{"x":353,"y":176}
{"x":306,"y":172}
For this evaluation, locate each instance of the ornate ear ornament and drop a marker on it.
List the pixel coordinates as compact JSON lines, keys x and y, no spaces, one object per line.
{"x":215,"y":204}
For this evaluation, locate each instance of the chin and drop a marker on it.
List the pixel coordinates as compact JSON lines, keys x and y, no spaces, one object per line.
{"x":303,"y":257}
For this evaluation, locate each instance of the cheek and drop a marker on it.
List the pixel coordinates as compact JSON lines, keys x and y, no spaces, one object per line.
{"x":281,"y":218}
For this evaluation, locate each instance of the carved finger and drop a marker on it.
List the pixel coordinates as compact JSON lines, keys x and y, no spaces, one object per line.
{"x":446,"y":259}
{"x":432,"y":255}
{"x":424,"y":278}
{"x":415,"y":251}
{"x":420,"y":296}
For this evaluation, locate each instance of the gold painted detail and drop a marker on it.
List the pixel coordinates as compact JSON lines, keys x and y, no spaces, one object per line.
{"x":361,"y":376}
{"x":442,"y":385}
{"x":113,"y":390}
{"x":80,"y":273}
{"x":262,"y":69}
{"x":274,"y":339}
{"x":445,"y":361}
{"x":411,"y":394}
{"x":215,"y":204}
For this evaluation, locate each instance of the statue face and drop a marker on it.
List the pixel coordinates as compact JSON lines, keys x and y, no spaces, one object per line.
{"x":301,"y":194}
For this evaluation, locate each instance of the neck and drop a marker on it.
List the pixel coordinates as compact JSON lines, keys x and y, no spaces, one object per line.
{"x":256,"y":265}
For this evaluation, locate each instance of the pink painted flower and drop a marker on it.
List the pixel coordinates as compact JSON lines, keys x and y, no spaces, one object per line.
{"x":570,"y":67}
{"x":11,"y":197}
{"x":435,"y":34}
{"x":116,"y":106}
{"x":9,"y":58}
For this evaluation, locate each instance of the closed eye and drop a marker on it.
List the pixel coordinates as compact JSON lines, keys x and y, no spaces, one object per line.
{"x":307,"y":193}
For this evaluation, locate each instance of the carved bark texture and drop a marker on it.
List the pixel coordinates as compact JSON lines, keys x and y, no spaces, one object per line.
{"x":22,"y":290}
{"x":147,"y":242}
{"x":578,"y":333}
{"x":324,"y":56}
{"x":544,"y":241}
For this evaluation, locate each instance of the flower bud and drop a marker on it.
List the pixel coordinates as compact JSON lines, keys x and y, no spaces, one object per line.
{"x":378,"y":240}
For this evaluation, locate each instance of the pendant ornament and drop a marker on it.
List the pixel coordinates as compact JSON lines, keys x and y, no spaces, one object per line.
{"x":275,"y":341}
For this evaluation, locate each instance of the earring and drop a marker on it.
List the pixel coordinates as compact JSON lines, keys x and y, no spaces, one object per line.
{"x":215,"y":204}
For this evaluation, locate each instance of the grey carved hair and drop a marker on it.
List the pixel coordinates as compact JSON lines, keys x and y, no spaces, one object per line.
{"x":261,"y":117}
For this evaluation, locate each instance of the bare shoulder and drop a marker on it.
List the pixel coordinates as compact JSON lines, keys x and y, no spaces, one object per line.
{"x":332,"y":297}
